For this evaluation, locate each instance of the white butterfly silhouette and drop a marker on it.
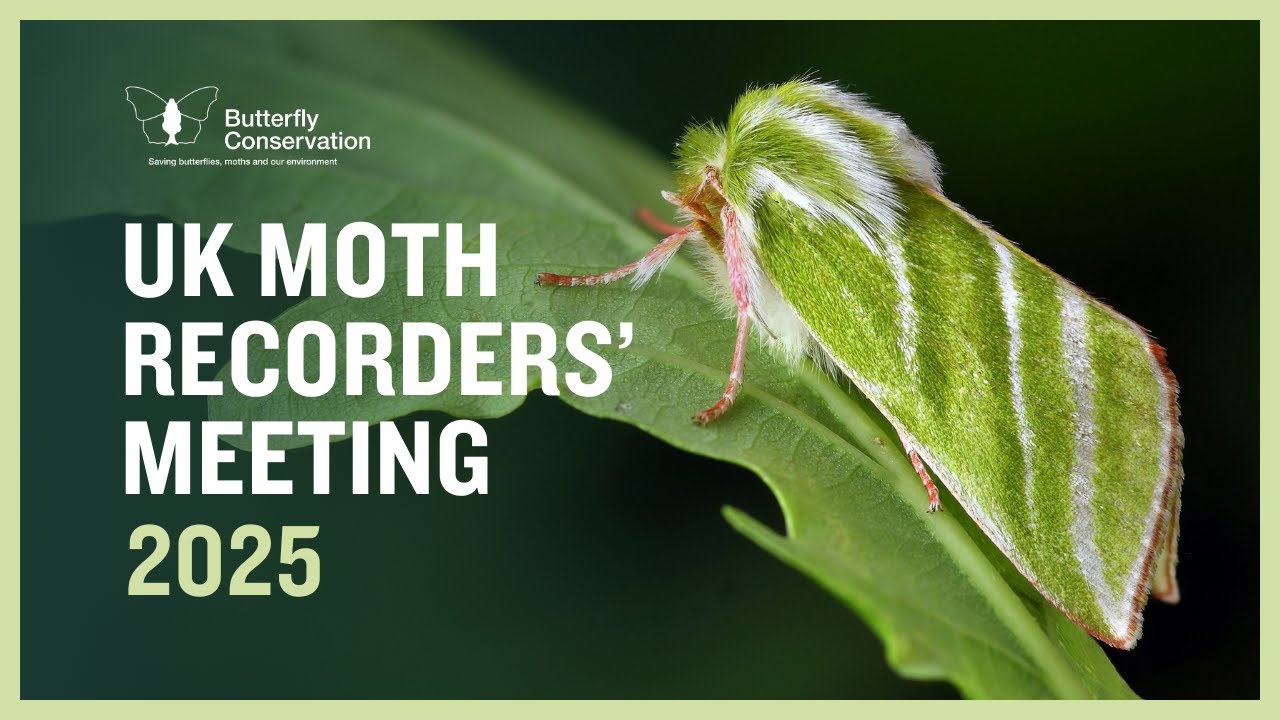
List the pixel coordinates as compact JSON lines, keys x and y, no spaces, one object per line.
{"x":179,"y":121}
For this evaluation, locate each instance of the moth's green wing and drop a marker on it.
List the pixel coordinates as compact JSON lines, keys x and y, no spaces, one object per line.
{"x":1050,"y":417}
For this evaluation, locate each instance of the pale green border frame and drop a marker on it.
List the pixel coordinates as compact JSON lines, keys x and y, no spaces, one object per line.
{"x":10,"y":385}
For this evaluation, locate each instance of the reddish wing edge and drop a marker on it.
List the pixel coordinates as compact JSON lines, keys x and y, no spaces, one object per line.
{"x":1164,"y":581}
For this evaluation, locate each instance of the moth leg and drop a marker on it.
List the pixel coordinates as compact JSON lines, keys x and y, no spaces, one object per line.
{"x":738,"y":281}
{"x":934,"y":503}
{"x":645,"y":266}
{"x":655,"y":223}
{"x":918,"y":464}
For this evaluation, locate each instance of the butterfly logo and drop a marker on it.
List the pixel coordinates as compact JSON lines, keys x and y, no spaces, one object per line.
{"x":171,"y":122}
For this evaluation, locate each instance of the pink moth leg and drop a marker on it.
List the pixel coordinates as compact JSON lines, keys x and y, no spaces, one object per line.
{"x":738,"y":281}
{"x":656,"y":256}
{"x":918,"y":464}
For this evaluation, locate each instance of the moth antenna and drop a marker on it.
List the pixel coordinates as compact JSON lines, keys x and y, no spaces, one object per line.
{"x":644,"y":268}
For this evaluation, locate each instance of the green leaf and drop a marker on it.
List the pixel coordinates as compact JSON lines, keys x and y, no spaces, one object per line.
{"x":459,"y":139}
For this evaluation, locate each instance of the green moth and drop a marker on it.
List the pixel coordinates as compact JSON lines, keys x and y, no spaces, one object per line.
{"x":1051,"y":418}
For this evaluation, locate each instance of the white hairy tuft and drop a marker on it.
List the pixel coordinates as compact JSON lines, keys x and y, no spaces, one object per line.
{"x":876,"y":211}
{"x":917,"y":157}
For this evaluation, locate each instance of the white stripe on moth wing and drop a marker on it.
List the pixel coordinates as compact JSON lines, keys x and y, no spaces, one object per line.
{"x":906,"y":304}
{"x":1133,"y":584}
{"x":1009,"y":300}
{"x":1084,"y":466}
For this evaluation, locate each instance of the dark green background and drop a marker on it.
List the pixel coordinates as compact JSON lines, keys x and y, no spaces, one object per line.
{"x":1124,"y":155}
